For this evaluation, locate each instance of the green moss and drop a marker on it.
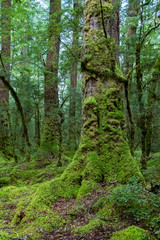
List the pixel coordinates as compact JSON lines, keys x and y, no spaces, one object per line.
{"x":92,"y":225}
{"x":4,"y":181}
{"x":4,"y":235}
{"x":103,"y":216}
{"x":132,"y":233}
{"x":100,"y":203}
{"x":90,"y":101}
{"x":49,"y":147}
{"x":108,"y":213}
{"x":119,"y":74}
{"x":32,"y":214}
{"x":86,"y":188}
{"x":93,"y":168}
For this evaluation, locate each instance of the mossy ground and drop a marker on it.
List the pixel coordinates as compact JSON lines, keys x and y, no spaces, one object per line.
{"x":132,"y":233}
{"x":49,"y":210}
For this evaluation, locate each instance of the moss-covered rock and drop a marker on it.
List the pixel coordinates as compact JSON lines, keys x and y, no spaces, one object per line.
{"x":132,"y":233}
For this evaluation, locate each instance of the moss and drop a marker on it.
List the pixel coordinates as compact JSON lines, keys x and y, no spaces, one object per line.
{"x":132,"y":233}
{"x":4,"y":181}
{"x":93,"y":168}
{"x":90,"y":101}
{"x":4,"y":235}
{"x":32,"y":214}
{"x":119,"y":74}
{"x":103,"y":217}
{"x":77,"y":210}
{"x":119,"y":165}
{"x":103,"y":146}
{"x":86,"y":188}
{"x":103,"y":153}
{"x":49,"y":147}
{"x":100,"y":203}
{"x":108,"y":213}
{"x":45,"y":221}
{"x":92,"y":225}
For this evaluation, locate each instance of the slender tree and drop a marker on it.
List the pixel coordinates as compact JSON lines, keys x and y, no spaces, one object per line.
{"x":73,"y":79}
{"x":150,"y":106}
{"x":133,"y":11}
{"x":143,"y":35}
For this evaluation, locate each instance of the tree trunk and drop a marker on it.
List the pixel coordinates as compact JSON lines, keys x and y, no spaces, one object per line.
{"x":103,"y":153}
{"x":133,"y":9}
{"x":150,"y":107}
{"x":19,"y":107}
{"x":37,"y":124}
{"x":4,"y":93}
{"x":50,"y":136}
{"x":142,"y":114}
{"x":73,"y":81}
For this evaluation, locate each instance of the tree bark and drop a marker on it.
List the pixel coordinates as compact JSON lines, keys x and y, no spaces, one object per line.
{"x":19,"y":107}
{"x":133,"y":9}
{"x":150,"y":107}
{"x":4,"y":93}
{"x":5,"y":46}
{"x":142,"y":115}
{"x":103,"y":153}
{"x":37,"y":124}
{"x":73,"y":81}
{"x":50,"y":136}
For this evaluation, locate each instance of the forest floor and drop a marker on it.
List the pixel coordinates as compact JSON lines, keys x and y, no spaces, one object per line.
{"x":77,"y":214}
{"x":81,"y":217}
{"x":27,"y":214}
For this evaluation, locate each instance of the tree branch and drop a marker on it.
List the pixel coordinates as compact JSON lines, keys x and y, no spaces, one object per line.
{"x":69,"y":50}
{"x":17,"y":101}
{"x":103,"y":24}
{"x":147,"y":34}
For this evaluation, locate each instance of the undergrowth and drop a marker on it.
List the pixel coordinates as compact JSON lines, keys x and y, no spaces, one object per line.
{"x":26,"y":206}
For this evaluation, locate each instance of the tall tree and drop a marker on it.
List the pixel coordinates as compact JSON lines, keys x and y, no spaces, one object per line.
{"x":73,"y":78}
{"x":103,"y":153}
{"x":143,"y":35}
{"x":50,"y":137}
{"x":5,"y":57}
{"x":133,"y":11}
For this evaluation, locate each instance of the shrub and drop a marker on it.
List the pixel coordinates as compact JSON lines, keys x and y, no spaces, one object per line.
{"x":134,"y":201}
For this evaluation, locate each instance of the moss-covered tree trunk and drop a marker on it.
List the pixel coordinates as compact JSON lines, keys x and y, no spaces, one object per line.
{"x":103,"y":153}
{"x":50,"y":137}
{"x":5,"y":54}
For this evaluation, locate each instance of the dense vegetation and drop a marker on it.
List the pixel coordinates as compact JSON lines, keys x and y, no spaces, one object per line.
{"x":79,"y":119}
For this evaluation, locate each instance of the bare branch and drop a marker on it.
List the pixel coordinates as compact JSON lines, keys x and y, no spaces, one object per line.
{"x":103,"y":24}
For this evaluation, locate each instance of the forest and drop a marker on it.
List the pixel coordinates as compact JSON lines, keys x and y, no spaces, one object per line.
{"x":80,"y":119}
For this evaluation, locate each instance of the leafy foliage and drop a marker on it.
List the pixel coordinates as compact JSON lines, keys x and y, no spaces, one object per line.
{"x":135,"y":202}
